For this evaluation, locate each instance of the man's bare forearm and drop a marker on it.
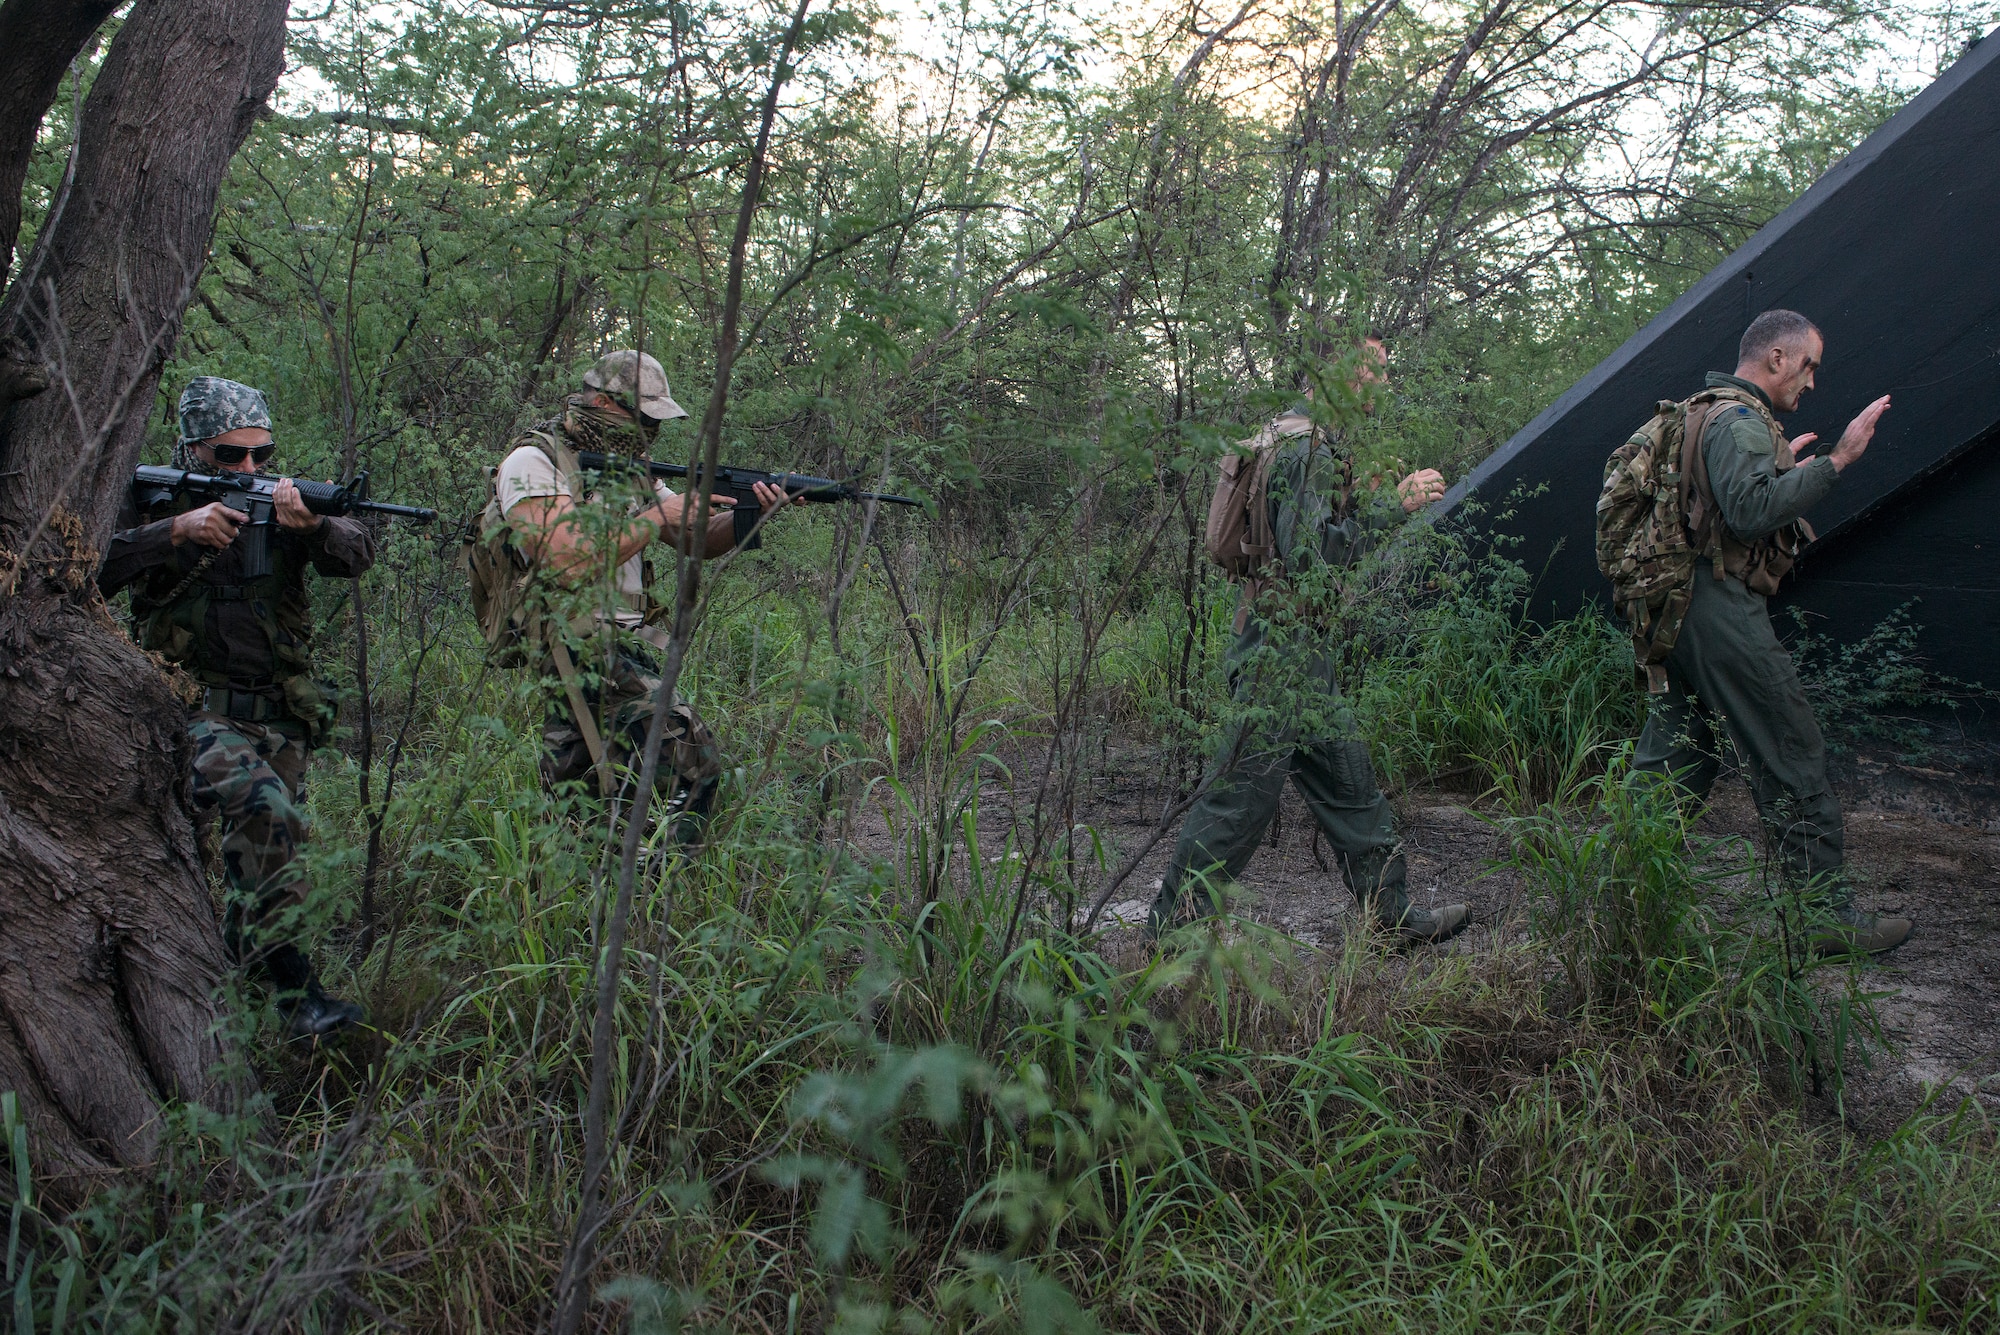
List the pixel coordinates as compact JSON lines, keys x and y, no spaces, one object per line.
{"x":573,"y":555}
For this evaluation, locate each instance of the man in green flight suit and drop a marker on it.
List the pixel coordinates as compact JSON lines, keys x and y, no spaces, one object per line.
{"x":1318,"y":519}
{"x":247,"y":639}
{"x":1727,"y":660}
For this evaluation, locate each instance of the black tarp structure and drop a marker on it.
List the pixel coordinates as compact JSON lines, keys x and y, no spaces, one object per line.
{"x":1895,"y":254}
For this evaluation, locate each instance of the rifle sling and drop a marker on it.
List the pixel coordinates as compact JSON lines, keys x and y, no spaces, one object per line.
{"x":580,"y":709}
{"x":201,"y":568}
{"x":1698,"y":503}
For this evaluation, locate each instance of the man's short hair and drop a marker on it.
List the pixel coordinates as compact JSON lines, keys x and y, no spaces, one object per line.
{"x":1773,"y":329}
{"x":1333,"y":345}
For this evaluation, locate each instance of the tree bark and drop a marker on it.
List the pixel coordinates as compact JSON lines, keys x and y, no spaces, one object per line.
{"x":110,"y":958}
{"x":41,"y":38}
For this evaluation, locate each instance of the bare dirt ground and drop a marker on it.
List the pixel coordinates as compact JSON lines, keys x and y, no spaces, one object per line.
{"x":1923,"y":839}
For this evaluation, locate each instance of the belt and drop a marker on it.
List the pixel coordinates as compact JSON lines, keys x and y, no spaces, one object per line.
{"x":245,"y":705}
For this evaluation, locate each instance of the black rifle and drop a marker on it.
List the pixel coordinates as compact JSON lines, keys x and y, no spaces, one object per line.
{"x":740,"y":485}
{"x":254,"y":496}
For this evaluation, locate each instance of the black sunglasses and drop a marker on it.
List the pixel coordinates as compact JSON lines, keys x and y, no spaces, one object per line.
{"x":235,"y":454}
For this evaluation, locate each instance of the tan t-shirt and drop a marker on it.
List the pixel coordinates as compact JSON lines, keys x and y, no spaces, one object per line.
{"x":528,"y":474}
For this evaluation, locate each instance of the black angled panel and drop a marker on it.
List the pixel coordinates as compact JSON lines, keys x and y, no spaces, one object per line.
{"x":1895,"y":254}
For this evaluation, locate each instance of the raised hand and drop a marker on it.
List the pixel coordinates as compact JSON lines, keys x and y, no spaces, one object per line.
{"x":1854,"y":441}
{"x":1420,"y":489}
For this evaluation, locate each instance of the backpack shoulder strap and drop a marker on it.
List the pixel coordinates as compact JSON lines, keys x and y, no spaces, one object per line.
{"x":1255,"y":473}
{"x":1343,"y":460}
{"x":1698,"y":504}
{"x":556,"y":446}
{"x":1259,"y":542}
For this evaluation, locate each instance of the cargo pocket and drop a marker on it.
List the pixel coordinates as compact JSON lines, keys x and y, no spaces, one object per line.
{"x":315,"y":704}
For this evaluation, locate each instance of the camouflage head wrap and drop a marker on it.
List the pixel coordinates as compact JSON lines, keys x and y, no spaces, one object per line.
{"x":212,"y":406}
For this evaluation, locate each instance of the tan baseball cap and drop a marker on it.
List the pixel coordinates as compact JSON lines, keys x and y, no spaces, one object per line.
{"x":635,"y":377}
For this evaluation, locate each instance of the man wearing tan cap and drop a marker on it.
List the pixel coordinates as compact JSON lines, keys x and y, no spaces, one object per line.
{"x":602,"y":640}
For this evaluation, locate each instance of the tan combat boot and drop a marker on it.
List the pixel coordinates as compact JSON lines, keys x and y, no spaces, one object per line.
{"x":1377,"y":882}
{"x":1428,"y":927}
{"x":1860,"y":933}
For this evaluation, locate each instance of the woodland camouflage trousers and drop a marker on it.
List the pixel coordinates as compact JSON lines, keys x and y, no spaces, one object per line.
{"x":251,"y":775}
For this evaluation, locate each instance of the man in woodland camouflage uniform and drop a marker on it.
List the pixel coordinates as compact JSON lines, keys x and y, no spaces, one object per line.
{"x":1318,"y":521}
{"x":247,"y":641}
{"x":607,"y":668}
{"x":1727,"y":660}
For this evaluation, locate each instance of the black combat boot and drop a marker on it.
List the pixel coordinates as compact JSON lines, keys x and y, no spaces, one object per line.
{"x":313,"y":1014}
{"x":308,"y":1012}
{"x":688,"y":814}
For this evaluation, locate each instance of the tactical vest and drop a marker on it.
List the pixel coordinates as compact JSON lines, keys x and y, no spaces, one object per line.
{"x":185,"y":633}
{"x":1760,"y":564}
{"x":184,"y":613}
{"x":506,"y":596}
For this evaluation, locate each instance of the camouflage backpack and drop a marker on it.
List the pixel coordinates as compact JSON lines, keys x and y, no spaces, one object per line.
{"x":1656,"y":520}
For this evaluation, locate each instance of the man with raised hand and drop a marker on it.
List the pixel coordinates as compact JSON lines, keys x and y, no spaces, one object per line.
{"x":246,"y":637}
{"x":1727,"y":660}
{"x":1316,"y":519}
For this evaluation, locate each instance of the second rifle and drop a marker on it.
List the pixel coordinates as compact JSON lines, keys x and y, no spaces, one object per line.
{"x":740,"y":485}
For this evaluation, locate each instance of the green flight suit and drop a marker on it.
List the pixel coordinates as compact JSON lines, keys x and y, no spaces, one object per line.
{"x":1728,"y":663}
{"x":1307,"y":733}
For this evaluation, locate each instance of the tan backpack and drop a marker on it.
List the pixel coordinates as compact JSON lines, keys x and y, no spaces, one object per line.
{"x":501,"y":576}
{"x":1239,"y":536}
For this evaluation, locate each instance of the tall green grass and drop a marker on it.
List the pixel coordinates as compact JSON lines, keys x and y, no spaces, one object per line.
{"x":1469,"y":684}
{"x":873,"y":1081}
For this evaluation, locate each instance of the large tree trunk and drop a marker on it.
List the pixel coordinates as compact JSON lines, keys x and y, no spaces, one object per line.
{"x":110,"y":959}
{"x":41,"y":38}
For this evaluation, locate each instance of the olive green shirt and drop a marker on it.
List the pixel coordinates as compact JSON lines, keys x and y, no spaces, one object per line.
{"x":1313,"y":522}
{"x":1318,"y":515}
{"x":1756,"y":499}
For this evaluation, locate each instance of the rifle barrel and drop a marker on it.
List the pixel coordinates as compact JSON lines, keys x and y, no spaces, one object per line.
{"x":821,"y":489}
{"x":415,"y":513}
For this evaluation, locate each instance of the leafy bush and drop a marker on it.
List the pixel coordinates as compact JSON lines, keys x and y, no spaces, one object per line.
{"x":1878,"y":686}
